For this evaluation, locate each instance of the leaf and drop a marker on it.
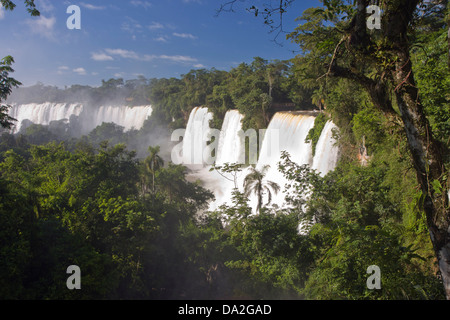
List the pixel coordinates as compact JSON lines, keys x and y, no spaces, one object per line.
{"x":437,"y":186}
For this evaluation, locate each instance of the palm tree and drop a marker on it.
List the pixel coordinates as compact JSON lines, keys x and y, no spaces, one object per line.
{"x":153,"y":163}
{"x":254,"y":183}
{"x":318,"y":99}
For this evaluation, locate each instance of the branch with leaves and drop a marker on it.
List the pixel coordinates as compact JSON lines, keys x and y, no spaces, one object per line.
{"x":30,"y":5}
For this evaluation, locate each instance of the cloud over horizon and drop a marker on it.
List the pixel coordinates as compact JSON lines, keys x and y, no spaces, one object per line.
{"x":154,"y":38}
{"x":80,"y":71}
{"x":108,"y":55}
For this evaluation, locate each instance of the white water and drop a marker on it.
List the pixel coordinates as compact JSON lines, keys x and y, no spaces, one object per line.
{"x":327,"y":152}
{"x":196,"y":137}
{"x":128,"y":117}
{"x":231,"y":148}
{"x":43,"y":113}
{"x":286,"y":132}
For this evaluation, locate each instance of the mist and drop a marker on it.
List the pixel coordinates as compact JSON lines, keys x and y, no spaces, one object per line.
{"x":116,"y":111}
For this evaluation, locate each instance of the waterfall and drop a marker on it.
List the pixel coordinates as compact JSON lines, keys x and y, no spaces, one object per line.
{"x":43,"y":113}
{"x":228,"y":147}
{"x":195,"y":137}
{"x":286,"y":132}
{"x":231,"y":148}
{"x":128,"y":117}
{"x":327,"y":152}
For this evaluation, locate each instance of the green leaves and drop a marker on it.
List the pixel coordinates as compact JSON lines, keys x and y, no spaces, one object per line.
{"x":437,"y":187}
{"x":433,"y":80}
{"x":6,"y":85}
{"x":31,"y":6}
{"x":314,"y":134}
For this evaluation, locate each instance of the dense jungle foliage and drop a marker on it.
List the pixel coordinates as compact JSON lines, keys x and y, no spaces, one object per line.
{"x":132,"y":223}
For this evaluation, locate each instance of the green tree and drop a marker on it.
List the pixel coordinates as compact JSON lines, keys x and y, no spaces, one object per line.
{"x":254,"y":183}
{"x":153,"y":163}
{"x":387,"y":52}
{"x":352,"y":218}
{"x":6,"y":85}
{"x":6,"y":82}
{"x":380,"y":62}
{"x":31,"y":6}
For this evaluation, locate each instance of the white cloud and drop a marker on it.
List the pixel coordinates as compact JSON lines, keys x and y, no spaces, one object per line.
{"x":144,"y":4}
{"x":91,"y":6}
{"x":63,"y":69}
{"x":148,"y":57}
{"x":42,"y":25}
{"x":178,"y":58}
{"x":127,"y":54}
{"x":80,"y":71}
{"x":155,"y":26}
{"x":199,"y":65}
{"x":44,"y":6}
{"x":2,"y":12}
{"x":101,"y":56}
{"x":161,"y":39}
{"x":131,"y":25}
{"x":184,"y":35}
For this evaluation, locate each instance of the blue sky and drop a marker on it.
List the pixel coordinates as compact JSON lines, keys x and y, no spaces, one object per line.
{"x":119,"y":38}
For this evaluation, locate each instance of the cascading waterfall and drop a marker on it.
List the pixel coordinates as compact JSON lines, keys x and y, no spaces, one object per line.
{"x":195,"y":150}
{"x":287,"y":131}
{"x":231,"y":149}
{"x":128,"y":117}
{"x":327,"y":152}
{"x":195,"y":137}
{"x":43,"y":113}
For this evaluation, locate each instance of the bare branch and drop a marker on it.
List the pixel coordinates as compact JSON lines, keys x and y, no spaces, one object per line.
{"x":227,"y":7}
{"x":268,"y":12}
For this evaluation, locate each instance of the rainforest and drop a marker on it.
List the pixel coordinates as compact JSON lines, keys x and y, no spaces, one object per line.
{"x":324,"y":165}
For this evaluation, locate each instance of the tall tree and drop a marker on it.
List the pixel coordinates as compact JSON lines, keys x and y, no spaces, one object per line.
{"x":7,"y":83}
{"x":254,"y":183}
{"x":379,"y":60}
{"x":153,"y":163}
{"x":388,"y":52}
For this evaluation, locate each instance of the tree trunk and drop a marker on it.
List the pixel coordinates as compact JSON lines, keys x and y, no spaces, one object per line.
{"x":260,"y":195}
{"x":426,"y":152}
{"x":429,"y":167}
{"x":448,"y":34}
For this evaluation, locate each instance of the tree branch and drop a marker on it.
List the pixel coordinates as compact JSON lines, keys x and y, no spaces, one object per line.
{"x":267,"y":12}
{"x":377,"y":90}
